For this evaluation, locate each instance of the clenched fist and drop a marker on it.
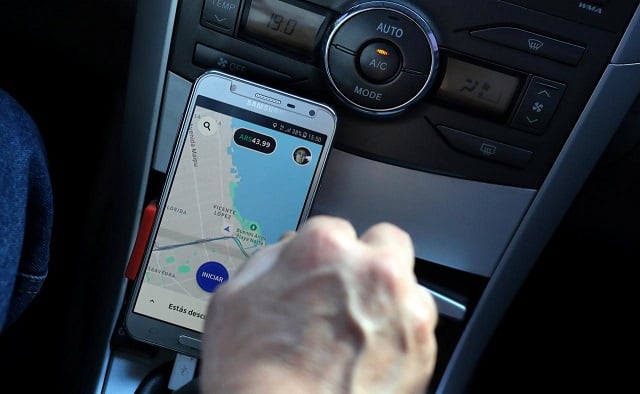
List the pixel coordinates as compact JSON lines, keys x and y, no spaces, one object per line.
{"x":323,"y":311}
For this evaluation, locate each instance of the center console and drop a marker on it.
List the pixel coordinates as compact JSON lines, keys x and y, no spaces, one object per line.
{"x":471,"y":124}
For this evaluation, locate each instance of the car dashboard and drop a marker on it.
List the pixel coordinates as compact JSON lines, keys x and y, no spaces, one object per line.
{"x":475,"y":129}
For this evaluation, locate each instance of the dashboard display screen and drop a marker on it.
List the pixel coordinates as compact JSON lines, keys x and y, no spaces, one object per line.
{"x":477,"y":88}
{"x":283,"y":24}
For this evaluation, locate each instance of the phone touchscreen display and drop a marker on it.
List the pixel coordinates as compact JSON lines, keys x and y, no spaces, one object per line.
{"x":241,"y":181}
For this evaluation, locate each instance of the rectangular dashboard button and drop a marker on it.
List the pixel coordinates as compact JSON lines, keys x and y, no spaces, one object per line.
{"x":206,"y":57}
{"x":485,"y":148}
{"x":538,"y":105}
{"x":220,"y":15}
{"x":533,"y":43}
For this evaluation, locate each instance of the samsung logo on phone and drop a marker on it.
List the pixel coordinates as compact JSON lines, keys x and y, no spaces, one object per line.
{"x":263,"y":107}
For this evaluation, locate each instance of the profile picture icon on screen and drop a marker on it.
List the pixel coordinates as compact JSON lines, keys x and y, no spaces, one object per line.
{"x":302,"y":155}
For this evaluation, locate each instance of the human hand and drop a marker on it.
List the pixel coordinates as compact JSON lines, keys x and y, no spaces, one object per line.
{"x":323,"y":311}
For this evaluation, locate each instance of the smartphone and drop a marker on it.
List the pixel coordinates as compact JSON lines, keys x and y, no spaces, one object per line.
{"x":245,"y":169}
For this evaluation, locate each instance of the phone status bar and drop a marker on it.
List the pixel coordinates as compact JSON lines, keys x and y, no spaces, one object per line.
{"x":263,"y":120}
{"x":298,"y":132}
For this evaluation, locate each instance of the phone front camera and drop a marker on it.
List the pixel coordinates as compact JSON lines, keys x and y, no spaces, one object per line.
{"x":312,"y":112}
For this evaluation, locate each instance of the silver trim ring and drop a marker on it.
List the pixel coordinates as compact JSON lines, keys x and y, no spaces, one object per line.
{"x":413,"y":16}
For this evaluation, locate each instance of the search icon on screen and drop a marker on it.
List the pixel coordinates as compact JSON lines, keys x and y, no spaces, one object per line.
{"x":206,"y":126}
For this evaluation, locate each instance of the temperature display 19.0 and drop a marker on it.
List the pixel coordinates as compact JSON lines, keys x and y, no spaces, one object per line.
{"x":284,"y":24}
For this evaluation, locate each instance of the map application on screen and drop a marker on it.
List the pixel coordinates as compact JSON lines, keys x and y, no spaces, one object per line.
{"x":241,"y":182}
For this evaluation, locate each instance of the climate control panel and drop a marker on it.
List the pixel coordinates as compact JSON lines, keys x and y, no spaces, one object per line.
{"x":381,"y":57}
{"x":486,"y":90}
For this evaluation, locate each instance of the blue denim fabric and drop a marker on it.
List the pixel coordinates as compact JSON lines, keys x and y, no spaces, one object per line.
{"x":26,"y":210}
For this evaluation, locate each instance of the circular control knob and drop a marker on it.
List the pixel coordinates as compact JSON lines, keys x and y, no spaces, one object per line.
{"x":380,"y":57}
{"x":379,"y":61}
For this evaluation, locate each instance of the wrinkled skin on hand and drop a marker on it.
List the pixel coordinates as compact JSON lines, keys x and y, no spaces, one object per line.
{"x":323,"y":311}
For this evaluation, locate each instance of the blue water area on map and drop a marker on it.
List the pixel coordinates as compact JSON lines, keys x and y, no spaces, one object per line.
{"x":272,"y":187}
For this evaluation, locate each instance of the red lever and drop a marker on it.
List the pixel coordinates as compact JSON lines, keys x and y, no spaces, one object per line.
{"x":142,"y":238}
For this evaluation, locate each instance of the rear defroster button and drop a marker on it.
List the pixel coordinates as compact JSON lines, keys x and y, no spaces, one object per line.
{"x":485,"y":148}
{"x":379,"y":62}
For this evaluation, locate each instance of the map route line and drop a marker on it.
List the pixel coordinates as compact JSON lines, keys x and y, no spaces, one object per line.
{"x":201,"y":241}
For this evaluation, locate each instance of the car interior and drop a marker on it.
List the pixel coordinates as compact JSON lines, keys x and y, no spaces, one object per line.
{"x":501,"y":134}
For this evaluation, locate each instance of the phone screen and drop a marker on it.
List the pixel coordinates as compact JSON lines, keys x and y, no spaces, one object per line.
{"x":241,"y":181}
